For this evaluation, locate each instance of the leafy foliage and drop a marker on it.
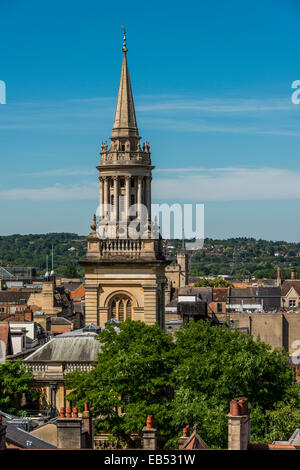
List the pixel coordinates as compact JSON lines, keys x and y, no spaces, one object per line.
{"x":133,"y":374}
{"x":217,"y":282}
{"x":31,"y":250}
{"x":189,"y":379}
{"x":242,"y":257}
{"x":15,"y":380}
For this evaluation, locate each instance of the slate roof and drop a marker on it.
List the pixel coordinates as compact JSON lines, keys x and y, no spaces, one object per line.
{"x":269,"y":296}
{"x":22,"y":438}
{"x":205,"y":293}
{"x":60,"y":321}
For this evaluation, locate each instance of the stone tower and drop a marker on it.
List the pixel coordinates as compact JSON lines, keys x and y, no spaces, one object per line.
{"x":125,"y":263}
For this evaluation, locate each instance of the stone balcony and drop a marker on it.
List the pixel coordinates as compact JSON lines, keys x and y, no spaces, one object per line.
{"x":130,"y":158}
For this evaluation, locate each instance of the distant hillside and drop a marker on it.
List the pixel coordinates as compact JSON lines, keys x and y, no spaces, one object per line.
{"x":31,"y":250}
{"x":241,"y":257}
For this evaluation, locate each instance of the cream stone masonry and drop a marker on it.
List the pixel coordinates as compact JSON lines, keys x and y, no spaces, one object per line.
{"x":124,"y":277}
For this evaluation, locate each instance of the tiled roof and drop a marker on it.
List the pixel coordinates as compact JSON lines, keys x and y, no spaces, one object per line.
{"x":287,"y":285}
{"x":219,"y":294}
{"x":79,"y":293}
{"x":195,"y":442}
{"x":12,"y":296}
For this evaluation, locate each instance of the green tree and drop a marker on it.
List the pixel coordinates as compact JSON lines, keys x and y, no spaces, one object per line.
{"x":217,"y":282}
{"x":70,"y":271}
{"x":214,"y":365}
{"x":190,"y":380}
{"x":15,"y":379}
{"x":134,"y":375}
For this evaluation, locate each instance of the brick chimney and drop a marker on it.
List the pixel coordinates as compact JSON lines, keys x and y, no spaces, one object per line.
{"x":278,"y":276}
{"x":149,"y":435}
{"x":88,"y":425}
{"x":69,"y":429}
{"x":185,"y":436}
{"x":2,"y":435}
{"x":238,"y":424}
{"x":293,"y":274}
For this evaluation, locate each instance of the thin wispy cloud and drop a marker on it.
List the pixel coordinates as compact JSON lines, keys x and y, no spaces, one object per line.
{"x":186,"y":184}
{"x":51,"y":194}
{"x":231,"y":184}
{"x":61,"y":172}
{"x":269,"y":116}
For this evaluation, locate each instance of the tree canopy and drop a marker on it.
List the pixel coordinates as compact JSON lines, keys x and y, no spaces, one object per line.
{"x":15,"y":378}
{"x":186,"y":379}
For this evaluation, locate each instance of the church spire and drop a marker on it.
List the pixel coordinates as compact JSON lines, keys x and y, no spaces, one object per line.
{"x":125,"y":120}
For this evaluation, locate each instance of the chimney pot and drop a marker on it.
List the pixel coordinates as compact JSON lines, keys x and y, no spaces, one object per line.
{"x":69,"y":413}
{"x":75,"y":412}
{"x":62,"y":413}
{"x":150,"y":423}
{"x":238,"y":424}
{"x":234,"y":408}
{"x":186,"y":431}
{"x":293,"y":273}
{"x":86,"y":406}
{"x":149,"y":435}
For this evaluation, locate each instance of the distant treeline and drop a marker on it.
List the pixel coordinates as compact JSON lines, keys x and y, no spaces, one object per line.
{"x":240,"y":257}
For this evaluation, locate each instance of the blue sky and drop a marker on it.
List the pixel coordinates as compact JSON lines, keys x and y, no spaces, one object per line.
{"x":212,"y":88}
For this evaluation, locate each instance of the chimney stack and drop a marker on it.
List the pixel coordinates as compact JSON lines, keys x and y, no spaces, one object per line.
{"x":238,"y":424}
{"x":278,"y":276}
{"x":88,"y":425}
{"x":150,"y":435}
{"x":293,"y":274}
{"x":69,"y":430}
{"x":185,"y":436}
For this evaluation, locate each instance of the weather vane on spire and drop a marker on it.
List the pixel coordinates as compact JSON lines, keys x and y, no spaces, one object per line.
{"x":124,"y":48}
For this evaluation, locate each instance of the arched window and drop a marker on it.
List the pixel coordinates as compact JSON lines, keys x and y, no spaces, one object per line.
{"x":120,"y":308}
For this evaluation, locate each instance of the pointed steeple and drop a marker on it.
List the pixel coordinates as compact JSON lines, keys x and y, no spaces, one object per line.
{"x":125,"y":120}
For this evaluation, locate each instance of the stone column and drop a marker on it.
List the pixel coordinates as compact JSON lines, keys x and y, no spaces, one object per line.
{"x":127,"y":196}
{"x":116,"y":198}
{"x":101,"y":214}
{"x":139,"y":195}
{"x":150,"y":435}
{"x":106,"y":197}
{"x":148,"y":195}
